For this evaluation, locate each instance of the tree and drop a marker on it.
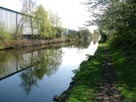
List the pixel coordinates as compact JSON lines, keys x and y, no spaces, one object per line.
{"x":117,"y":19}
{"x":95,"y":9}
{"x":56,"y":23}
{"x":43,"y":24}
{"x":120,"y":19}
{"x":29,"y":8}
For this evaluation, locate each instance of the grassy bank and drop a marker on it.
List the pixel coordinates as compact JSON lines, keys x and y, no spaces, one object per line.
{"x":14,"y":44}
{"x":90,"y":77}
{"x":86,"y":81}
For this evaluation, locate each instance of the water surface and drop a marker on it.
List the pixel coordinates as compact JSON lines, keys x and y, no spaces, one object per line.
{"x":36,"y":75}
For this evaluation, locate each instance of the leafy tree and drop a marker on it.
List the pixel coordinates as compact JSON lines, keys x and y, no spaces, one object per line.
{"x":43,"y":24}
{"x":95,"y":9}
{"x":119,"y":20}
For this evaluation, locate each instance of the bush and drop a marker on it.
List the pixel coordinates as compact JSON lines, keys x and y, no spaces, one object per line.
{"x":4,"y":35}
{"x":103,"y":37}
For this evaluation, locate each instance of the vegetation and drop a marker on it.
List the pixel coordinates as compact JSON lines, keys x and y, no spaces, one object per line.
{"x":29,"y":8}
{"x":83,"y":34}
{"x":116,"y":20}
{"x":47,"y":23}
{"x":40,"y":62}
{"x":124,"y":69}
{"x":44,"y":28}
{"x":118,"y":30}
{"x":5,"y":37}
{"x":86,"y":83}
{"x":43,"y":24}
{"x":119,"y":22}
{"x":56,"y":24}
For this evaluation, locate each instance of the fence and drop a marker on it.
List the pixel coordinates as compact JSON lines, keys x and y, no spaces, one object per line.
{"x":13,"y":21}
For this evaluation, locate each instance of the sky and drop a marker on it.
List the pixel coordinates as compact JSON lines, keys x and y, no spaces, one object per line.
{"x":73,"y":14}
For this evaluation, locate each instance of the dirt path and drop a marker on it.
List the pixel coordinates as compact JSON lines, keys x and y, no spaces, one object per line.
{"x":109,"y":92}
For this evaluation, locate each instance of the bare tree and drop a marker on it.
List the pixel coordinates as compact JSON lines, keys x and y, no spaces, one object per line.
{"x":29,"y":7}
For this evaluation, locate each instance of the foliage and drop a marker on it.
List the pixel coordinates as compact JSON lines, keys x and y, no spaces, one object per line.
{"x":18,"y":31}
{"x":96,"y":9}
{"x":119,"y":21}
{"x":4,"y":35}
{"x":29,"y":8}
{"x":124,"y":73}
{"x":43,"y":24}
{"x":56,"y":23}
{"x":59,"y":31}
{"x":47,"y":23}
{"x":104,"y":36}
{"x":83,"y":34}
{"x":85,"y":82}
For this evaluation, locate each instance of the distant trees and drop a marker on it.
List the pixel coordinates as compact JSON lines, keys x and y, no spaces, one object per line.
{"x":47,"y":24}
{"x":117,"y":20}
{"x":82,"y":34}
{"x":56,"y":23}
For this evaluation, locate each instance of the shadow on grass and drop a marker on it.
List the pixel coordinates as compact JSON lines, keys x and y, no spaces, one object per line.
{"x":89,"y":77}
{"x":124,"y":65}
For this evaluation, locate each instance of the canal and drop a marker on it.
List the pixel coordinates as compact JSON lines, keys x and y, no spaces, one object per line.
{"x":37,"y":74}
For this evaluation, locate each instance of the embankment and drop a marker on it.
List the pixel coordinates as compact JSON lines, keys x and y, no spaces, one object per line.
{"x":107,"y":76}
{"x":21,"y":43}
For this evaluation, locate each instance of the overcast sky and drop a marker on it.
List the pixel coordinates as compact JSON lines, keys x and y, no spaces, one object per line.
{"x":72,"y":12}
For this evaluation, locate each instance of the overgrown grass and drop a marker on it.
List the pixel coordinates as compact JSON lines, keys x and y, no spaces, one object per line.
{"x":4,"y":37}
{"x":124,"y":64}
{"x":86,"y":81}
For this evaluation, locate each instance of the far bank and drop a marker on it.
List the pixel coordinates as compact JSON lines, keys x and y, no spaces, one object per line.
{"x":21,"y":43}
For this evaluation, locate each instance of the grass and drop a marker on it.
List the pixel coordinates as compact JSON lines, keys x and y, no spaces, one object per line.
{"x":85,"y":83}
{"x":124,"y":65}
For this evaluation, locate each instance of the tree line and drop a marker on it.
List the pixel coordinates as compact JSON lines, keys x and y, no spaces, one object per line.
{"x":41,"y":24}
{"x":47,"y":23}
{"x":117,"y":21}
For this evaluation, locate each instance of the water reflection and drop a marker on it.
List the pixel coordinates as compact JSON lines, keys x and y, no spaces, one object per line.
{"x":43,"y":61}
{"x":33,"y":67}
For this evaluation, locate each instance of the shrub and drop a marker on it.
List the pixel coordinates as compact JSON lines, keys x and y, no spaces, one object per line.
{"x":103,"y":37}
{"x":4,"y":35}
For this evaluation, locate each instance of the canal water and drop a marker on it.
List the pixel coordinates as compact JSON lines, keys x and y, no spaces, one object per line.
{"x":37,"y":74}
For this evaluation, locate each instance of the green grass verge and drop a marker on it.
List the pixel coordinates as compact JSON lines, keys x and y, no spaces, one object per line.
{"x":124,"y":67}
{"x":86,"y":81}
